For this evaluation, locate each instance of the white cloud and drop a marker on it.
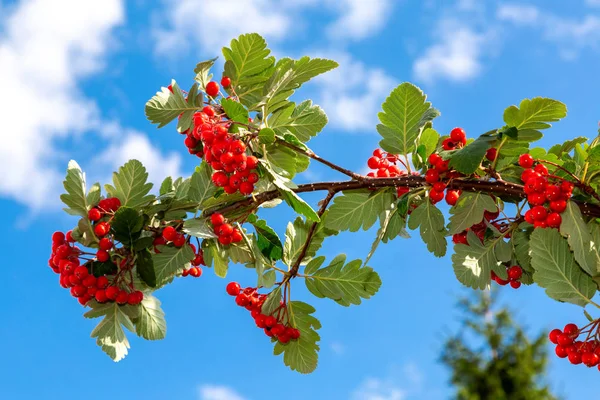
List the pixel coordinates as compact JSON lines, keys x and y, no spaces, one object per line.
{"x":456,"y":56}
{"x":135,"y":145}
{"x":593,"y":3}
{"x":216,"y":392}
{"x":358,"y":18}
{"x":352,"y":94}
{"x":42,"y":58}
{"x":377,"y":389}
{"x":520,"y":14}
{"x":337,"y":347}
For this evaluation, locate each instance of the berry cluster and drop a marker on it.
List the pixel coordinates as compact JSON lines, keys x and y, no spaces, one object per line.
{"x":577,"y":351}
{"x":84,"y":285}
{"x":433,"y":176}
{"x":273,"y":325}
{"x":514,"y":273}
{"x":170,"y":234}
{"x":195,"y":270}
{"x":457,"y":139}
{"x":100,"y":216}
{"x":384,"y":166}
{"x":226,"y":233}
{"x":547,"y":199}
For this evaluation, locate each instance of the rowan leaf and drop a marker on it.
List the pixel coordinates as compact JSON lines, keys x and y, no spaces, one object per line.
{"x":468,"y":159}
{"x":199,"y":227}
{"x":303,"y":120}
{"x":167,"y":105}
{"x":357,"y":209}
{"x":296,"y":236}
{"x":127,"y":225}
{"x":430,"y":221}
{"x":301,"y":355}
{"x":535,"y":114}
{"x":130,"y":185}
{"x":556,"y":269}
{"x":404,"y":113}
{"x":202,"y":71}
{"x":474,"y":262}
{"x":575,"y":229}
{"x":215,"y":254}
{"x":469,"y":211}
{"x":75,"y":199}
{"x":170,"y":261}
{"x":201,"y":187}
{"x":109,"y":333}
{"x":151,"y":324}
{"x":145,"y":267}
{"x":346,"y":284}
{"x":267,"y":240}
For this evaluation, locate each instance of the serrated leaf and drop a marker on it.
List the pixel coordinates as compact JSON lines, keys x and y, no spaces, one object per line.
{"x":556,"y":270}
{"x":170,"y":261}
{"x":266,"y":136}
{"x":594,"y":228}
{"x":165,"y":106}
{"x":469,"y":211}
{"x":534,"y":114}
{"x":75,"y":198}
{"x":474,"y":262}
{"x":127,"y":225}
{"x":94,"y":194}
{"x":290,"y":197}
{"x":272,"y":302}
{"x":303,"y":121}
{"x":468,"y":159}
{"x":166,"y":186}
{"x":145,"y":268}
{"x":346,"y":284}
{"x":98,"y":268}
{"x":429,"y":139}
{"x":130,"y":185}
{"x":357,"y":209}
{"x":109,"y":333}
{"x":151,"y":324}
{"x":267,"y":240}
{"x":520,"y":242}
{"x":430,"y":221}
{"x":296,"y":235}
{"x":575,"y":229}
{"x":391,"y":226}
{"x":201,"y":187}
{"x":200,"y":228}
{"x":301,"y":355}
{"x":202,"y":71}
{"x":404,"y":113}
{"x":215,"y":254}
{"x":235,"y":111}
{"x":247,"y":57}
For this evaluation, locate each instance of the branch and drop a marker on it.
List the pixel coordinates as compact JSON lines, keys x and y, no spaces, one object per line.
{"x":497,"y":188}
{"x":315,"y":157}
{"x":311,"y":232}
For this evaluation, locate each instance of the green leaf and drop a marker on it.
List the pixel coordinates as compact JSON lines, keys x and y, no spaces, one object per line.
{"x":473,"y":263}
{"x":594,"y":155}
{"x":202,"y":71}
{"x":304,"y":120}
{"x":98,"y":268}
{"x":109,"y":333}
{"x":301,"y":355}
{"x":556,"y":270}
{"x":165,"y":106}
{"x":567,"y":146}
{"x":391,"y":226}
{"x":267,"y":240}
{"x":594,"y":228}
{"x":93,"y":196}
{"x":266,"y":136}
{"x":469,"y":210}
{"x":429,"y":139}
{"x":130,"y":185}
{"x":346,"y":284}
{"x":201,"y":187}
{"x":574,"y":228}
{"x":468,"y":159}
{"x":166,"y":186}
{"x":430,"y":220}
{"x":215,"y":254}
{"x":272,"y":302}
{"x":357,"y":209}
{"x":75,"y":198}
{"x":200,"y":228}
{"x":520,"y":242}
{"x":235,"y":111}
{"x":127,"y":225}
{"x":405,"y":112}
{"x":247,"y":58}
{"x":535,"y":114}
{"x":145,"y":268}
{"x":170,"y":261}
{"x":151,"y":324}
{"x":296,"y":236}
{"x":290,"y":197}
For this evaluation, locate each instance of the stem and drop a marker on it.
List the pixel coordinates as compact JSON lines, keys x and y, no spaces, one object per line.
{"x":561,"y":168}
{"x":498,"y":153}
{"x":315,"y":157}
{"x":498,"y":188}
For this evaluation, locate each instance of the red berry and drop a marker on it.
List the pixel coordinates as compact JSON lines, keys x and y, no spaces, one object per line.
{"x":561,"y":351}
{"x":526,"y":161}
{"x":212,"y":89}
{"x":233,"y":288}
{"x":373,"y":162}
{"x":460,"y":238}
{"x":169,"y":233}
{"x":434,"y":159}
{"x":102,"y":255}
{"x":590,"y":359}
{"x":439,"y":186}
{"x":81,"y":272}
{"x":554,"y":220}
{"x":278,"y":329}
{"x":564,"y":340}
{"x":217,"y":219}
{"x":101,"y":296}
{"x":242,"y":300}
{"x":102,"y":229}
{"x":270,"y":321}
{"x":185,"y":272}
{"x":553,"y":335}
{"x":432,"y":176}
{"x":78,"y":290}
{"x":541,"y":169}
{"x":515,"y":284}
{"x":94,"y":214}
{"x":179,"y":240}
{"x":491,"y":154}
{"x":236,"y":236}
{"x":246,"y":188}
{"x":448,"y":144}
{"x":574,"y":358}
{"x":195,"y":272}
{"x":515,"y":272}
{"x":105,"y":244}
{"x":295,"y":333}
{"x":225,"y":240}
{"x":122,"y":297}
{"x":442,"y":165}
{"x":458,"y":135}
{"x":89,"y":281}
{"x":251,"y":162}
{"x":570,"y":329}
{"x":558,"y":206}
{"x":539,"y":213}
{"x":102,"y":282}
{"x":436,"y":196}
{"x":378,"y":153}
{"x":134,"y":298}
{"x":112,"y":292}
{"x":224,"y":230}
{"x":452,"y":197}
{"x":225,"y":81}
{"x":220,"y":179}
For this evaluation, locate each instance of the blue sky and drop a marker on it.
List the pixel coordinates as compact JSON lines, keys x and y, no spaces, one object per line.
{"x":76,"y":76}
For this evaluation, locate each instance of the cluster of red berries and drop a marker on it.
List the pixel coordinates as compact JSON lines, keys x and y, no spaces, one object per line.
{"x":84,"y":285}
{"x":384,"y":166}
{"x":171,"y":235}
{"x":100,"y":216}
{"x":457,"y":139}
{"x":195,"y":270}
{"x":547,"y":199}
{"x":226,"y":233}
{"x":514,"y":273}
{"x":251,"y":300}
{"x":577,"y":351}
